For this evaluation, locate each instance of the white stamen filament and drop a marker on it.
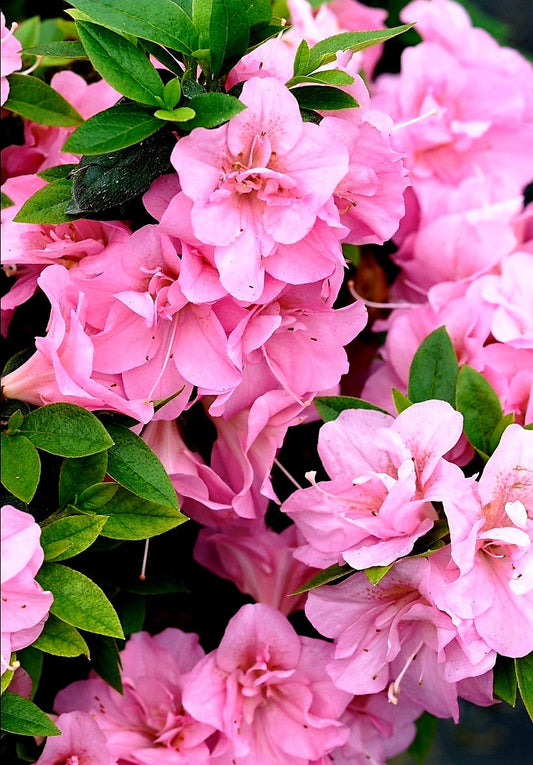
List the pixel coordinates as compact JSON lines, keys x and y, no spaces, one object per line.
{"x":372,"y":304}
{"x":286,"y":473}
{"x":393,"y":693}
{"x":431,"y":113}
{"x":167,"y":357}
{"x":142,"y":575}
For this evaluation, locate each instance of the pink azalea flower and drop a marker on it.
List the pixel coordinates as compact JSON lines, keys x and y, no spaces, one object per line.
{"x":256,"y":182}
{"x":25,"y":605}
{"x":260,"y":563}
{"x":147,"y":724}
{"x":11,"y":59}
{"x":510,"y":292}
{"x":81,"y":743}
{"x":265,"y":688}
{"x":392,"y":635}
{"x":385,"y":472}
{"x":491,"y":526}
{"x":510,"y":372}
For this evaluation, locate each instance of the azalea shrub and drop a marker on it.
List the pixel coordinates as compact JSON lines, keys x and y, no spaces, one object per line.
{"x":267,"y":448}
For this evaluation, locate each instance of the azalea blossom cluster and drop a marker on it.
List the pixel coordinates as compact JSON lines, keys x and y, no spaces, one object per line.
{"x":224,"y":296}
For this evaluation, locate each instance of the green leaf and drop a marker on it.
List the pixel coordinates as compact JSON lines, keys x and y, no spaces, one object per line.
{"x":48,"y":205}
{"x":213,"y":109}
{"x":61,"y":639}
{"x":23,"y":717}
{"x":56,"y":172}
{"x":524,"y":676}
{"x":326,"y":77}
{"x":434,"y":369}
{"x":7,"y":677}
{"x":34,"y":100}
{"x":124,"y":66}
{"x":132,"y":517}
{"x":6,"y":201}
{"x":32,"y":661}
{"x":223,"y":29}
{"x":505,"y":680}
{"x":172,"y":93}
{"x":323,"y":97}
{"x":97,"y":496}
{"x":164,"y":22}
{"x":78,"y":473}
{"x":181,"y":114}
{"x":105,"y":660}
{"x":401,"y":402}
{"x":326,"y":50}
{"x":106,"y":181}
{"x":55,"y":549}
{"x":497,"y":433}
{"x":133,"y":465}
{"x":21,"y":466}
{"x":62,"y":49}
{"x":330,"y":574}
{"x":14,"y":422}
{"x":115,"y":128}
{"x":79,"y":530}
{"x":78,"y":600}
{"x":258,"y":12}
{"x":426,"y":727}
{"x":376,"y":573}
{"x":301,"y":59}
{"x":133,"y":614}
{"x":67,"y":430}
{"x":329,"y":407}
{"x":480,"y":407}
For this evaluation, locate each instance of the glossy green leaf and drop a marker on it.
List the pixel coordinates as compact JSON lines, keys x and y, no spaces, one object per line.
{"x":426,"y":727}
{"x":498,"y":431}
{"x":172,"y":93}
{"x":434,"y":369}
{"x":132,"y":517}
{"x":133,"y":614}
{"x":105,"y":660}
{"x":327,"y":77}
{"x":97,"y":496}
{"x":323,"y":98}
{"x":36,"y":101}
{"x":56,"y":172}
{"x":505,"y":680}
{"x":181,"y":114}
{"x":113,"y":129}
{"x":21,"y":466}
{"x":524,"y":676}
{"x":326,"y":50}
{"x":329,"y":407}
{"x":78,"y":600}
{"x":301,"y":59}
{"x":376,"y":573}
{"x":23,"y":717}
{"x":61,"y":639}
{"x":480,"y":407}
{"x":134,"y":465}
{"x":213,"y":109}
{"x":7,"y":677}
{"x":401,"y":402}
{"x":258,"y":12}
{"x":67,"y":49}
{"x":124,"y":66}
{"x":78,"y":473}
{"x":223,"y":30}
{"x":79,"y":530}
{"x":14,"y":422}
{"x":48,"y":205}
{"x":331,"y":574}
{"x":32,"y":661}
{"x":66,"y":430}
{"x":164,"y":22}
{"x":56,"y":549}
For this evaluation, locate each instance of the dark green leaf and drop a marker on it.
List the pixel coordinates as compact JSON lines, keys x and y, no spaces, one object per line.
{"x":133,"y":464}
{"x":56,"y":172}
{"x":223,"y":30}
{"x":434,"y":369}
{"x":124,"y":66}
{"x":326,"y":77}
{"x":63,"y":49}
{"x":505,"y":680}
{"x":258,"y":12}
{"x":113,"y":129}
{"x":14,"y":422}
{"x":329,"y":407}
{"x":48,"y":205}
{"x":97,"y":496}
{"x":323,"y":98}
{"x":213,"y":109}
{"x":78,"y":600}
{"x":301,"y":59}
{"x":23,"y":717}
{"x":376,"y":573}
{"x":78,"y":473}
{"x":38,"y":102}
{"x":21,"y":466}
{"x":61,"y":639}
{"x":105,"y":660}
{"x":426,"y":727}
{"x":32,"y":661}
{"x":103,"y":182}
{"x":164,"y":22}
{"x":524,"y":676}
{"x":480,"y":407}
{"x":497,"y":433}
{"x":66,"y":429}
{"x":326,"y":50}
{"x":79,"y":530}
{"x":331,"y":574}
{"x":6,"y":201}
{"x":401,"y":402}
{"x":132,"y":517}
{"x":133,"y":614}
